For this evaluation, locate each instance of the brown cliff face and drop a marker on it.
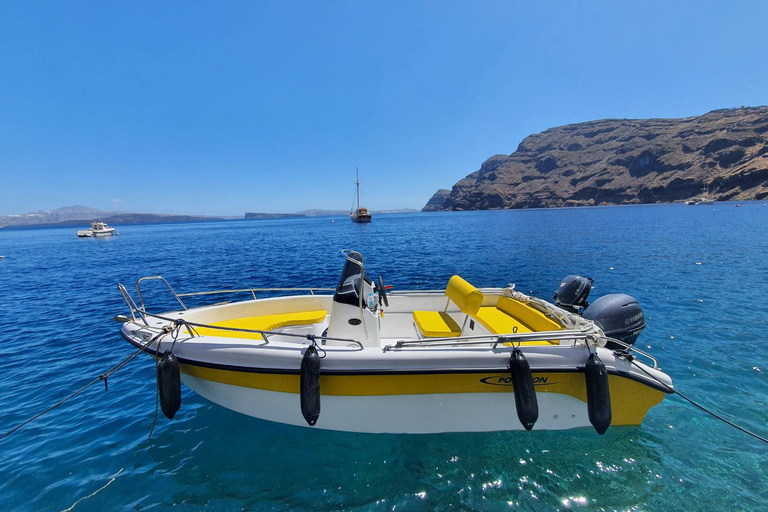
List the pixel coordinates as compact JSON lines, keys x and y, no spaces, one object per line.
{"x":626,"y":161}
{"x":437,"y":201}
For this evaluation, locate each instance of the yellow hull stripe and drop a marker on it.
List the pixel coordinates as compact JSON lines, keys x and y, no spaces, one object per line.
{"x":630,"y":400}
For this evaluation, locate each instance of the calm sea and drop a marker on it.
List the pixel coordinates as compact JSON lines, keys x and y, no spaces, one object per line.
{"x":700,"y":273}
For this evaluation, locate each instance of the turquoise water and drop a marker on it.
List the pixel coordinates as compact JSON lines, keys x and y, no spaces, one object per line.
{"x":700,"y":273}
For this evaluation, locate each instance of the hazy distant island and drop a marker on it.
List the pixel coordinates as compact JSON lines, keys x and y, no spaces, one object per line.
{"x":260,"y":216}
{"x":83,"y":215}
{"x":317,"y":213}
{"x":303,"y":213}
{"x":624,"y":161}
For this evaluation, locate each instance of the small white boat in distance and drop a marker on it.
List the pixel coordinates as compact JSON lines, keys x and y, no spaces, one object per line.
{"x":97,"y":229}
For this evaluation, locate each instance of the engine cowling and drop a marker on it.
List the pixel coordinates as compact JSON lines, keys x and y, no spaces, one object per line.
{"x":619,"y":316}
{"x":572,"y":293}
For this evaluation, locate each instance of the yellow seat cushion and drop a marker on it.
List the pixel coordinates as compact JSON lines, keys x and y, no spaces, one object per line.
{"x":436,"y":324}
{"x":464,"y":295}
{"x":498,"y":322}
{"x":511,"y":316}
{"x":534,"y":319}
{"x":262,"y":323}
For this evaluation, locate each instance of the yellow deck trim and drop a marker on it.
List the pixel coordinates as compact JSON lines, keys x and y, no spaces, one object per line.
{"x":436,"y":324}
{"x":263,"y":323}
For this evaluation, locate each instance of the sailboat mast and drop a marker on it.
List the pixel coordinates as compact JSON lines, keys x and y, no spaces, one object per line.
{"x":357,"y":182}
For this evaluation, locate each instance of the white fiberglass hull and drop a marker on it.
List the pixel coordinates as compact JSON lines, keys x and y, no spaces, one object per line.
{"x":95,"y":234}
{"x":407,"y":390}
{"x":395,"y":414}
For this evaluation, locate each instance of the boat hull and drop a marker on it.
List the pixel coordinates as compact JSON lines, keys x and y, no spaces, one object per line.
{"x":360,"y":216}
{"x":396,"y":414}
{"x":421,"y":402}
{"x":377,"y":379}
{"x":95,"y":234}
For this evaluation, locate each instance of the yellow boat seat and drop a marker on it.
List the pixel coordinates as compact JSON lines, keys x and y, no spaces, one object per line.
{"x":262,"y":323}
{"x":510,"y":316}
{"x":533,"y":318}
{"x":438,"y":324}
{"x":464,"y":295}
{"x":499,"y":322}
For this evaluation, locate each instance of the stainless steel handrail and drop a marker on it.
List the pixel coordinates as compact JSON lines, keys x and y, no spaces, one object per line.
{"x":143,"y":308}
{"x":491,"y":338}
{"x":254,"y":331}
{"x":254,"y":290}
{"x":632,"y":348}
{"x":131,"y":304}
{"x":161,"y":278}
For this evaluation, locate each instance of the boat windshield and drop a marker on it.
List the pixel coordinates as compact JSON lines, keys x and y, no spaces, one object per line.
{"x":352,"y":275}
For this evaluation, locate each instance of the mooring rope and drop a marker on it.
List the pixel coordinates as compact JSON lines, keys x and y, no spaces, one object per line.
{"x":701,"y":407}
{"x":175,"y":330}
{"x":103,"y":377}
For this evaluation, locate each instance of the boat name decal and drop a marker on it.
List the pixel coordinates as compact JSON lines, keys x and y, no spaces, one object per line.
{"x":506,"y":380}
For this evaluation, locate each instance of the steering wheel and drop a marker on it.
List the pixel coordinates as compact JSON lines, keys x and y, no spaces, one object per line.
{"x":383,"y":293}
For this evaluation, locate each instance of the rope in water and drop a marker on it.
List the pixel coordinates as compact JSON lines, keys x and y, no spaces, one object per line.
{"x":103,"y":377}
{"x":701,"y":407}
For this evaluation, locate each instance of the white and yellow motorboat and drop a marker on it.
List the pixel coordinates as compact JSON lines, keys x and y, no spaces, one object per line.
{"x":461,"y":359}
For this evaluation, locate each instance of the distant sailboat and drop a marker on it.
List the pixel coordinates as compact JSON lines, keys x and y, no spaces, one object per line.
{"x":701,"y":200}
{"x":359,"y":214}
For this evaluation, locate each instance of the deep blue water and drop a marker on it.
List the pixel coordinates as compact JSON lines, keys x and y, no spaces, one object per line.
{"x":700,"y":273}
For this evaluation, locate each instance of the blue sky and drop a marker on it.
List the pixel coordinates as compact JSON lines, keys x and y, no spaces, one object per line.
{"x":224,"y":107}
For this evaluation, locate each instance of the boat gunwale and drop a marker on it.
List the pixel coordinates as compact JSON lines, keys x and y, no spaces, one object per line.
{"x":461,"y":343}
{"x":640,"y":378}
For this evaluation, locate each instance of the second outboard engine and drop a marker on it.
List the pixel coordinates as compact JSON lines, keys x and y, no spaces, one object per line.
{"x":572,"y":293}
{"x":619,"y":316}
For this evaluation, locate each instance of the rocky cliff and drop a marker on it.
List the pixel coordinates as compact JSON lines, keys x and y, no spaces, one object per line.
{"x":625,"y":161}
{"x":437,"y":201}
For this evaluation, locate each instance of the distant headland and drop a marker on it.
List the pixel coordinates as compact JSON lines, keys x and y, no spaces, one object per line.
{"x":722,"y":154}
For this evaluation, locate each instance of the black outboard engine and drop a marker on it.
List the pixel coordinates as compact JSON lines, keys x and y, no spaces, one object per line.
{"x":572,"y":293}
{"x":619,"y":316}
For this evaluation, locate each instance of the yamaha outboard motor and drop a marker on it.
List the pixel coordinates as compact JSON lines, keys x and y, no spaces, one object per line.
{"x":619,"y":316}
{"x":572,"y":293}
